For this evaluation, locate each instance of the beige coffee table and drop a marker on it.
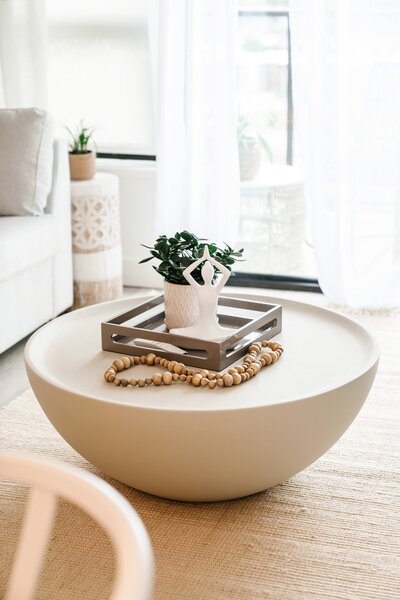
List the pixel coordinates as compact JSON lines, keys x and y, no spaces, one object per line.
{"x":193,"y":443}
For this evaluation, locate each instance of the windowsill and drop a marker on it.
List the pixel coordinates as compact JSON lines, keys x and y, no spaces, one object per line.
{"x":125,"y":165}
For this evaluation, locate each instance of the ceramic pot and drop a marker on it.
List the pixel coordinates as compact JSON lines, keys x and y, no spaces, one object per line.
{"x":82,"y":166}
{"x":249,"y":157}
{"x":181,"y":305}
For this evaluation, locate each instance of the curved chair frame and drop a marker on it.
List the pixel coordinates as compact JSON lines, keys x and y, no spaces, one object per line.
{"x":48,"y":480}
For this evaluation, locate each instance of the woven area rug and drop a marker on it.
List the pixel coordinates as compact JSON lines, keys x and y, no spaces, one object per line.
{"x":333,"y":531}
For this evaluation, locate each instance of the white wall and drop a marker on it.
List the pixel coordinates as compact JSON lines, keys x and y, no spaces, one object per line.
{"x":137,"y":197}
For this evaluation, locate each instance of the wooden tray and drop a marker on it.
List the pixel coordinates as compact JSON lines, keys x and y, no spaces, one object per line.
{"x":142,"y":330}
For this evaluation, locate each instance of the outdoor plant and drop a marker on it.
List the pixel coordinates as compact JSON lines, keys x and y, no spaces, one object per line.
{"x":178,"y":252}
{"x":80,"y":139}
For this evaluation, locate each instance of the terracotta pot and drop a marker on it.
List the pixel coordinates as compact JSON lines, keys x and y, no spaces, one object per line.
{"x":181,"y":305}
{"x":82,"y":166}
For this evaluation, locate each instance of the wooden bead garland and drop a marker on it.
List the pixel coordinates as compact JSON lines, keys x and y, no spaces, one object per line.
{"x":253,"y":362}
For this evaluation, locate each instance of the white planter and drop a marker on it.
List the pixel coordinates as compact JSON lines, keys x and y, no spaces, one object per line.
{"x":249,"y":158}
{"x":181,"y":306}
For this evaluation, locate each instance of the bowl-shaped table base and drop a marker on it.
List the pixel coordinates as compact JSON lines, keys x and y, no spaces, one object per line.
{"x":198,"y":444}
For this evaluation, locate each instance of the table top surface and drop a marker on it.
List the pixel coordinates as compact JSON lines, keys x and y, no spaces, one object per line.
{"x":100,"y":178}
{"x":323,"y":350}
{"x":274,"y":176}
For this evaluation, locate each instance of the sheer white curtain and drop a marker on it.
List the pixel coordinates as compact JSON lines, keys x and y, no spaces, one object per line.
{"x":193,"y":47}
{"x":346,"y":85}
{"x":23,"y":53}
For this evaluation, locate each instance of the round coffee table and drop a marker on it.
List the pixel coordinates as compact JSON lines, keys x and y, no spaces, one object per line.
{"x":198,"y":444}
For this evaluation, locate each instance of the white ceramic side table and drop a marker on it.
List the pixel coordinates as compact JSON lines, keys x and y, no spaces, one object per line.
{"x":96,"y":240}
{"x":272,"y":221}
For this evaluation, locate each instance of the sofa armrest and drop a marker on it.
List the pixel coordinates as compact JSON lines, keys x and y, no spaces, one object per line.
{"x":59,"y":200}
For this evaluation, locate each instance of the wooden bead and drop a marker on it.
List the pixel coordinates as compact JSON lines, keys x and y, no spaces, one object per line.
{"x":148,"y":380}
{"x":228,"y":380}
{"x":243,"y":376}
{"x":218,"y":375}
{"x":143,"y":359}
{"x":182,"y":377}
{"x":119,"y":364}
{"x":141,"y":383}
{"x":111,"y":377}
{"x":262,"y":361}
{"x":236,"y":379}
{"x":171,"y":365}
{"x":247,"y":375}
{"x":133,"y":382}
{"x":220,"y":382}
{"x":127,"y":361}
{"x":157,"y":360}
{"x":250,"y":372}
{"x":240,"y":369}
{"x":117,"y":381}
{"x":254,"y":349}
{"x":163,"y":362}
{"x":167,"y":378}
{"x":106,"y":374}
{"x":212,"y":383}
{"x":175,"y":376}
{"x":150,"y":358}
{"x":124,"y":382}
{"x":248,"y":359}
{"x":204,"y":381}
{"x":132,"y":360}
{"x":178,"y":368}
{"x":267,"y":358}
{"x":137,"y":360}
{"x":274,"y":357}
{"x":196,"y":379}
{"x":275,"y":345}
{"x":264,"y":343}
{"x":157,"y":379}
{"x":232,"y":371}
{"x":190,"y":372}
{"x":204,"y":373}
{"x":189,"y":378}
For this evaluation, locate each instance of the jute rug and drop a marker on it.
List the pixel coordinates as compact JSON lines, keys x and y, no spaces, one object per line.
{"x":333,"y":531}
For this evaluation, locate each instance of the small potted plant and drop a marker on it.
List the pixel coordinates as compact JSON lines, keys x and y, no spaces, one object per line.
{"x":82,"y":160}
{"x":174,"y":255}
{"x":252,"y":143}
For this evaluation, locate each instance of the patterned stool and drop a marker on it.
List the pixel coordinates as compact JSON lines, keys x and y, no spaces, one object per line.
{"x":96,"y":242}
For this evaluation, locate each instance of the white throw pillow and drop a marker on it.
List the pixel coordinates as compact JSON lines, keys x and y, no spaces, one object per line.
{"x":26,"y":161}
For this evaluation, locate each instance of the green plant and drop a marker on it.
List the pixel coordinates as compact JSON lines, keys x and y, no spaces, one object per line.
{"x":246,"y":130}
{"x":178,"y":252}
{"x":80,"y":139}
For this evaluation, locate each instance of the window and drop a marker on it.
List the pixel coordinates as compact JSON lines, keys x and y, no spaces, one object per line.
{"x":99,"y":70}
{"x":264,"y":74}
{"x":273,"y":219}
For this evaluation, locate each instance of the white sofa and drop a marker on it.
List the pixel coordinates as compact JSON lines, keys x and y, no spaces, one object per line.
{"x":36,"y":260}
